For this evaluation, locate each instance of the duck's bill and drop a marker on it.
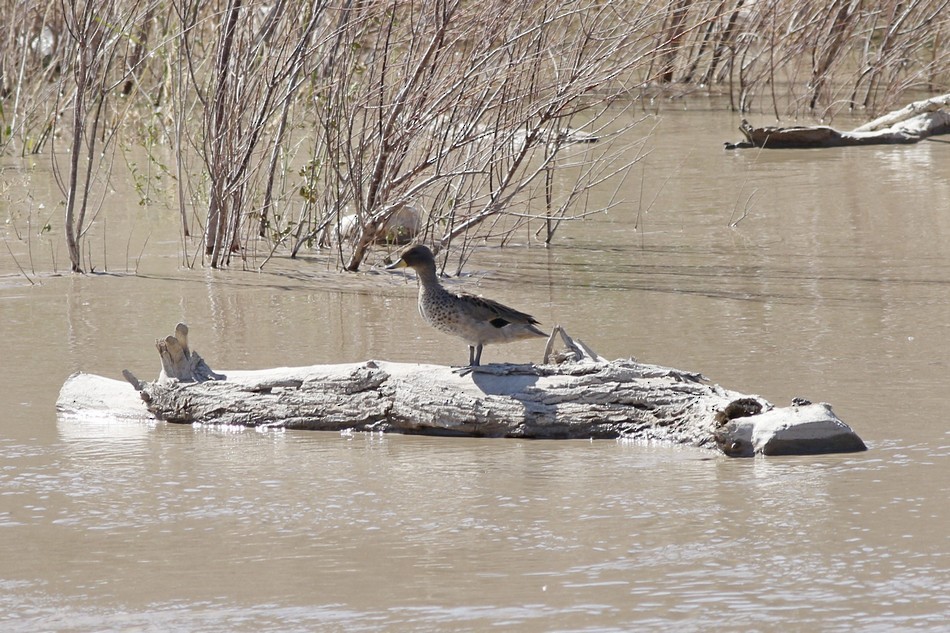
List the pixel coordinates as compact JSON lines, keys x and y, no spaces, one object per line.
{"x":399,"y":263}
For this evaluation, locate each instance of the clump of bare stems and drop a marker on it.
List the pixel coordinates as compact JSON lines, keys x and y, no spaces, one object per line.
{"x":282,"y":118}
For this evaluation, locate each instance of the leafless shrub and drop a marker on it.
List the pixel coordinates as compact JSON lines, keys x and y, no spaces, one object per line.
{"x":33,"y":44}
{"x":461,"y":109}
{"x":97,"y":40}
{"x":258,"y":59}
{"x":281,"y":118}
{"x":811,"y":56}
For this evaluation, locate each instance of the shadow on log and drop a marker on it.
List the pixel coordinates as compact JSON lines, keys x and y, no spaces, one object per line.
{"x":575,"y":394}
{"x":911,"y":124}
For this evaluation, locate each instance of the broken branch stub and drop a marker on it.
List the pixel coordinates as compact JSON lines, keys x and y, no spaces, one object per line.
{"x":179,"y":363}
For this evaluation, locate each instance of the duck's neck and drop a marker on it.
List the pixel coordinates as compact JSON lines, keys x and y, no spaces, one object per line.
{"x":427,"y":276}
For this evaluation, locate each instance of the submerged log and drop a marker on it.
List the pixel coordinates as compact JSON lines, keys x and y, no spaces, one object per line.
{"x":575,"y":394}
{"x":911,"y":124}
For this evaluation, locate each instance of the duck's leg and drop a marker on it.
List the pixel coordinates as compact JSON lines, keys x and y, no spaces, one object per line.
{"x":474,"y":362}
{"x":474,"y":358}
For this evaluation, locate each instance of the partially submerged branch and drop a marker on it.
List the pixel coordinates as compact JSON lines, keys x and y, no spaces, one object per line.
{"x":911,"y":124}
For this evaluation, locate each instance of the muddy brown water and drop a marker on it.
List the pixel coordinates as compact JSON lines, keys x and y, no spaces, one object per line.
{"x":835,"y":287}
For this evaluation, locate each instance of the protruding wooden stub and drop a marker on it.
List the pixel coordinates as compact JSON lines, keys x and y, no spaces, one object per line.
{"x":179,"y":362}
{"x":575,"y":350}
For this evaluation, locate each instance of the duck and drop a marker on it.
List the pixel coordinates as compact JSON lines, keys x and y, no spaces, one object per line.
{"x":476,"y":320}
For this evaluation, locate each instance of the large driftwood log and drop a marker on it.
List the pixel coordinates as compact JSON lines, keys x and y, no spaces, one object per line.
{"x":910,"y":124}
{"x":582,"y":396}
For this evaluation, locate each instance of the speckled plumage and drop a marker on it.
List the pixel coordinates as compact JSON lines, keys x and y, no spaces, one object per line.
{"x":476,"y":320}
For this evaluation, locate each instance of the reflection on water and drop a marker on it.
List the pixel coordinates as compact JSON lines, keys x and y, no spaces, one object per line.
{"x":833,"y":287}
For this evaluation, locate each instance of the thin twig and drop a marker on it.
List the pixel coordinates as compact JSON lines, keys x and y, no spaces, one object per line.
{"x":16,"y":261}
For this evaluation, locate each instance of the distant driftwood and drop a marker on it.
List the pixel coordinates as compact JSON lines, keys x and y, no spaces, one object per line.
{"x":910,"y":124}
{"x":574,"y":394}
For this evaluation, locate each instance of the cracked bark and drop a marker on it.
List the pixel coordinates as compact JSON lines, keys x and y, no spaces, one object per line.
{"x":583,"y":396}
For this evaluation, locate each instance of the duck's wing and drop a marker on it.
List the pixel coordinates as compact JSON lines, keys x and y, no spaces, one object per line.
{"x":498,"y":314}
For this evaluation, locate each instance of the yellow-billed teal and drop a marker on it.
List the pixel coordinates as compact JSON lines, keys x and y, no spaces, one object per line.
{"x":476,"y":320}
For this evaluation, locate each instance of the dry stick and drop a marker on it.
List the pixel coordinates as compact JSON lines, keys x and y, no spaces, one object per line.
{"x":29,"y":237}
{"x":78,"y":108}
{"x":674,"y":33}
{"x":745,"y":211}
{"x":241,"y":173}
{"x":107,"y":141}
{"x":216,"y":227}
{"x":291,"y":74}
{"x":505,"y":191}
{"x":17,"y":94}
{"x":667,"y":180}
{"x":128,"y":246}
{"x":641,"y":156}
{"x":595,"y":173}
{"x":552,"y":113}
{"x":548,"y":201}
{"x":838,"y":36}
{"x":706,"y":42}
{"x":15,"y":261}
{"x":186,"y":60}
{"x":87,"y":177}
{"x":873,"y":70}
{"x":514,"y":165}
{"x":386,"y":132}
{"x":138,"y":260}
{"x":275,"y":156}
{"x":179,"y":167}
{"x":636,"y":222}
{"x":725,"y":42}
{"x":88,"y":43}
{"x":772,"y":64}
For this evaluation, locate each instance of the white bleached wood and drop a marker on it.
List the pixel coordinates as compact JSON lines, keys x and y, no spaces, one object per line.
{"x":584,"y":398}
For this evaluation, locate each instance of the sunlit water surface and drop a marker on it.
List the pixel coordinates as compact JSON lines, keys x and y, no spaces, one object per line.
{"x":833,"y":286}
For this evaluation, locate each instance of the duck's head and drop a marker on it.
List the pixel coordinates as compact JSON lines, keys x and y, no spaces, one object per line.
{"x":416,"y":256}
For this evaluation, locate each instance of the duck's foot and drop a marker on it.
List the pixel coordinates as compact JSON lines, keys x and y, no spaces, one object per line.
{"x":498,"y":369}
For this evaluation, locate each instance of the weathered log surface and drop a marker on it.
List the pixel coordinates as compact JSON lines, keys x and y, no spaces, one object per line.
{"x":582,"y":398}
{"x":911,"y":124}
